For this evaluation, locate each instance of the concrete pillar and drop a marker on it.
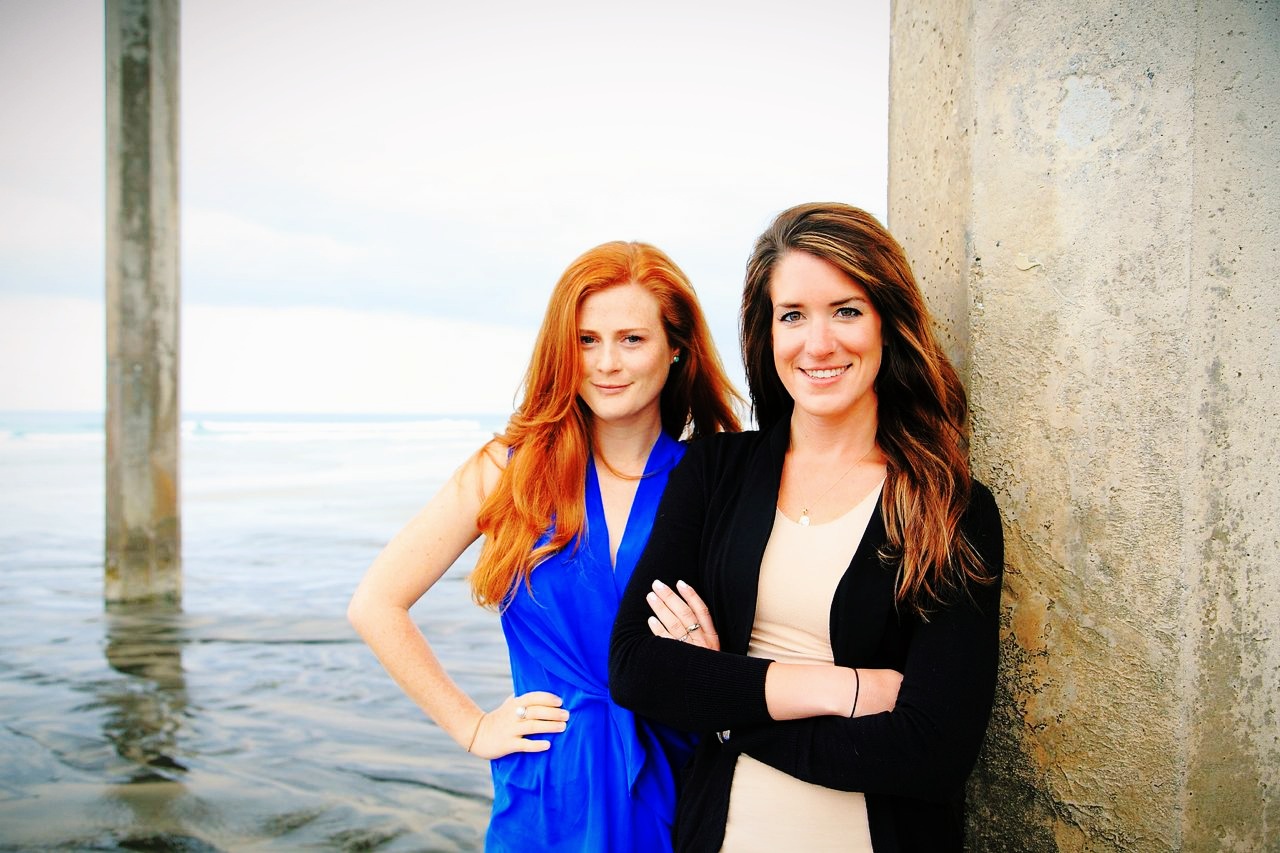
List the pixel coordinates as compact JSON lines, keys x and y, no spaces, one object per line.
{"x":1090,"y":193}
{"x":143,"y":535}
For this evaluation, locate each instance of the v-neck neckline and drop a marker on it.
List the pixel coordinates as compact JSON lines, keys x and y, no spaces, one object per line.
{"x":661,"y":456}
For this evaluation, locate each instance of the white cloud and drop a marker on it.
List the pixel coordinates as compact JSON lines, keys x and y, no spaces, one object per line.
{"x":553,"y":117}
{"x":52,"y":354}
{"x":245,"y":359}
{"x":36,"y":228}
{"x":551,"y":110}
{"x":330,"y":360}
{"x":244,"y":250}
{"x":440,"y":159}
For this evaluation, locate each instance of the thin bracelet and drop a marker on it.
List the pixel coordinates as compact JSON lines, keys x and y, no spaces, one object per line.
{"x":857,"y":688}
{"x":476,"y":733}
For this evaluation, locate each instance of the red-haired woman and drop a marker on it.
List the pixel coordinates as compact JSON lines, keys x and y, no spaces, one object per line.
{"x":623,"y":367}
{"x":842,"y":544}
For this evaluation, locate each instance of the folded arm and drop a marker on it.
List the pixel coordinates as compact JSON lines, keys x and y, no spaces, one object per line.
{"x":691,"y":685}
{"x":927,"y":746}
{"x":792,"y":691}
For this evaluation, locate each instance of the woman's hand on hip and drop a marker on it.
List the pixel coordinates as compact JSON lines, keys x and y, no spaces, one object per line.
{"x":681,"y":614}
{"x":506,"y":729}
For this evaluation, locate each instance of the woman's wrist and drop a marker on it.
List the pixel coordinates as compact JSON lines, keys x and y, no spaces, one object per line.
{"x":845,"y":686}
{"x":876,"y":691}
{"x":475,"y":732}
{"x":796,"y":691}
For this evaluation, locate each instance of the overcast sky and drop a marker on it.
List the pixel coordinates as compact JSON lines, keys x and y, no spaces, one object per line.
{"x":378,"y":196}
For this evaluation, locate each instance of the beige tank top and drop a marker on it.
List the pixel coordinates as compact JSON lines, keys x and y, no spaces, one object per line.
{"x":768,"y":809}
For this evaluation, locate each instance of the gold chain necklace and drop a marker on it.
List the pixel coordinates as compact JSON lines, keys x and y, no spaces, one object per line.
{"x":804,"y":510}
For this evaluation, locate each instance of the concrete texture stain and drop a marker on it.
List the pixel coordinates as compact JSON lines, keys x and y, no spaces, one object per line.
{"x":1084,"y":116}
{"x":1232,"y":799}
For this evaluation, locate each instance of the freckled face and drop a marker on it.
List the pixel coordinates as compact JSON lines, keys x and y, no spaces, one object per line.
{"x":826,"y":338}
{"x":625,"y":354}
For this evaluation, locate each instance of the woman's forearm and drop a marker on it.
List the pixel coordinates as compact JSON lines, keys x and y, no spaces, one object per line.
{"x":409,"y":566}
{"x":409,"y":659}
{"x":407,"y":656}
{"x":797,"y":691}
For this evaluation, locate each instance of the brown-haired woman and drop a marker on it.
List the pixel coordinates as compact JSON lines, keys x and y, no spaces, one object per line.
{"x":841,"y":542}
{"x":623,"y":367}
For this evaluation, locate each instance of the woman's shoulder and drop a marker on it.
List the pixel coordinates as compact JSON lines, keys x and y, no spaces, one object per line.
{"x":723,"y":463}
{"x":483,"y":469}
{"x":724,"y":446}
{"x":983,"y":529}
{"x":982,"y":503}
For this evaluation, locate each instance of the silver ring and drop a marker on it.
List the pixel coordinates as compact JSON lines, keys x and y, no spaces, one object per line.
{"x":521,"y":712}
{"x":683,"y":639}
{"x":691,"y":628}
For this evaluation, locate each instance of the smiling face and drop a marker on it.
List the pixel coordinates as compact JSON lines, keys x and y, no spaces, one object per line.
{"x":826,"y":338}
{"x":625,"y":355}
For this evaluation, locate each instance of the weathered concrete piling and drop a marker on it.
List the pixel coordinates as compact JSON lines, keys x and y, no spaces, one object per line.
{"x":1090,"y":193}
{"x":143,"y":530}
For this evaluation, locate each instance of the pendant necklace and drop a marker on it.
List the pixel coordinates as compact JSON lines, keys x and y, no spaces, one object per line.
{"x":804,"y":510}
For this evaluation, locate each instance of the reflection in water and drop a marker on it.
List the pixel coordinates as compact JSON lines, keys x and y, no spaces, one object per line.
{"x":143,"y":720}
{"x":254,"y":718}
{"x":139,"y":729}
{"x":147,"y":710}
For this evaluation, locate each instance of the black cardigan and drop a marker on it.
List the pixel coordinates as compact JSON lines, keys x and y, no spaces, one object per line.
{"x":711,"y":530}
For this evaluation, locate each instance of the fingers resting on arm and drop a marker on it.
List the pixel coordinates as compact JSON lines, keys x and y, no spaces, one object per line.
{"x":681,"y":614}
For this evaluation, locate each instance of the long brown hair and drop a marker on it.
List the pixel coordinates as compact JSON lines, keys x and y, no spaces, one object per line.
{"x":549,"y":436}
{"x":923,"y":413}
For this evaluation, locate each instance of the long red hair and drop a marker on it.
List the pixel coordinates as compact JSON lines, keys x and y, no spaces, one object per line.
{"x":549,"y":436}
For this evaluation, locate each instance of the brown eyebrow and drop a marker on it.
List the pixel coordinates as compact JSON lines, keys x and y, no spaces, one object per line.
{"x":837,"y":304}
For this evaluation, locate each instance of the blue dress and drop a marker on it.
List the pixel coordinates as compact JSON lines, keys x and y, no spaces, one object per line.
{"x":608,"y":781}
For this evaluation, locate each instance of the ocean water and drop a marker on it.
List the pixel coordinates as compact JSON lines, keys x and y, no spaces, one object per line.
{"x":253,"y":718}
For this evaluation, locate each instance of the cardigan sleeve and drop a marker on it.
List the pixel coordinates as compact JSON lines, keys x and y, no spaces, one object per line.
{"x":685,"y":686}
{"x":926,"y":747}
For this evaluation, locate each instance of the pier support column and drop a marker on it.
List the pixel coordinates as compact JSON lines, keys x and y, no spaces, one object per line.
{"x":143,"y":530}
{"x":1090,"y":194}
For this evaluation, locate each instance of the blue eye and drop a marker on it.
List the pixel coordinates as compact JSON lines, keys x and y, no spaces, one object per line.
{"x":848,"y":311}
{"x":633,"y":339}
{"x":586,"y":340}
